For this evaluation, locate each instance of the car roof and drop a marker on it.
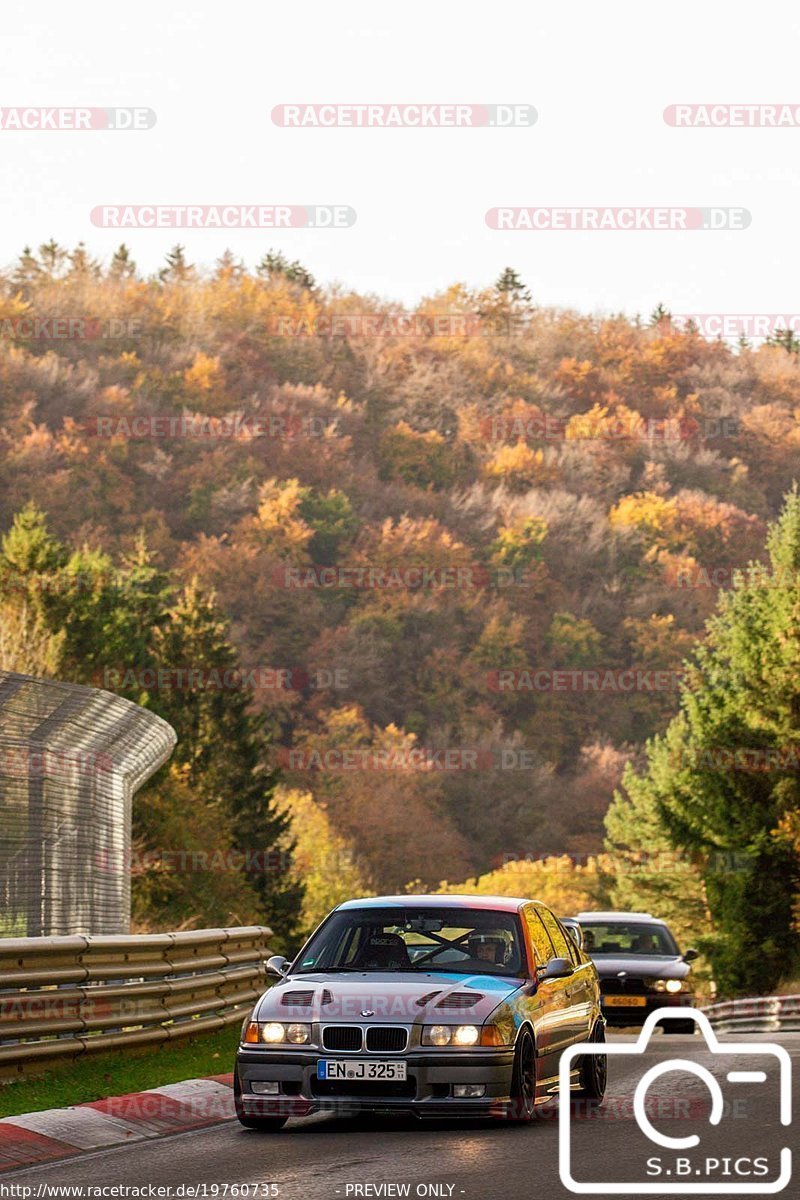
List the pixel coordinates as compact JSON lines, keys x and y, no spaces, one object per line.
{"x":492,"y":903}
{"x":620,"y":916}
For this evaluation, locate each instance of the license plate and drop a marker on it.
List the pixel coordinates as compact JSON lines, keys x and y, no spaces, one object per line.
{"x":624,"y":1001}
{"x":360,"y":1068}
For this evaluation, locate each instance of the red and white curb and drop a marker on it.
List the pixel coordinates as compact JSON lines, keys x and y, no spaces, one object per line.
{"x":61,"y":1132}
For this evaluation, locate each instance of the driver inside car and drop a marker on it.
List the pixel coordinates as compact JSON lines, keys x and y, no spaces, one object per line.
{"x":487,"y":948}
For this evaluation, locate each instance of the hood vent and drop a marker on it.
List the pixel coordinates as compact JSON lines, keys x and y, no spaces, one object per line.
{"x":460,"y":1000}
{"x":426,"y":999}
{"x":327,"y":997}
{"x":297,"y":999}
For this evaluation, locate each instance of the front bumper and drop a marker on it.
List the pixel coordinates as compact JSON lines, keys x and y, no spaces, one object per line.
{"x":427,"y":1092}
{"x":628,"y":1014}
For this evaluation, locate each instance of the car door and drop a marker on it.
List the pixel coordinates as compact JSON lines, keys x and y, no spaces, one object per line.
{"x":575,"y":1013}
{"x":548,"y":995}
{"x":584,"y":995}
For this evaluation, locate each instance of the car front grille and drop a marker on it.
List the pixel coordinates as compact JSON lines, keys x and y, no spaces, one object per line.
{"x":389,"y":1038}
{"x":631,"y":985}
{"x":341,"y":1037}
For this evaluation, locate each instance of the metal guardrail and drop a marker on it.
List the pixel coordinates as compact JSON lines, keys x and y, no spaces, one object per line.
{"x":765,"y":1014}
{"x":63,"y":997}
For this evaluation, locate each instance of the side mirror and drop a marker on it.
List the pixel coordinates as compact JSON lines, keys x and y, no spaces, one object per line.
{"x":691,"y":955}
{"x":277,"y":965}
{"x":556,"y":968}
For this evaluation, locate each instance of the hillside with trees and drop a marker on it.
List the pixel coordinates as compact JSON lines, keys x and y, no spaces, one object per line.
{"x":438,"y":572}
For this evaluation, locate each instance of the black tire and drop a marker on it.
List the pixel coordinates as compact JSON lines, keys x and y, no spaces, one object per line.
{"x":263,"y":1124}
{"x":523,"y":1080}
{"x":593,"y":1071}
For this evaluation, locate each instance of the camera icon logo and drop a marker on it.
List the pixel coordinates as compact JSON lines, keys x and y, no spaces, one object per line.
{"x":687,"y":1168}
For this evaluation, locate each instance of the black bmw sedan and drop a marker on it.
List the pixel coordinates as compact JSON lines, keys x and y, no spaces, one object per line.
{"x":640,"y":967}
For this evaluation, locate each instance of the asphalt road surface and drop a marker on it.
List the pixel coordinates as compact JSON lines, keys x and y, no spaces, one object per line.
{"x":333,"y":1158}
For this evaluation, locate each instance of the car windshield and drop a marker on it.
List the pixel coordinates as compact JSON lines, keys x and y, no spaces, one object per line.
{"x":413,"y":938}
{"x":628,"y":937}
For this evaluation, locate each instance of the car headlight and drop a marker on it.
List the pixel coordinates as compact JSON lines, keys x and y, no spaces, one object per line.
{"x":274,"y":1033}
{"x":436,"y":1035}
{"x":298,"y":1034}
{"x":466,"y":1035}
{"x":669,"y":985}
{"x":450,"y":1035}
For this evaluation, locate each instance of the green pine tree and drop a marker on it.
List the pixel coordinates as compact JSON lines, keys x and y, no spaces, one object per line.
{"x":660,"y":314}
{"x":177,"y":269}
{"x":228,"y":266}
{"x":275,"y":265}
{"x":27,"y":270}
{"x":651,"y":874}
{"x":29,"y":550}
{"x":52,"y":257}
{"x":82,"y":265}
{"x":122,"y":265}
{"x":785,"y":338}
{"x":510,"y":287}
{"x":223,"y":745}
{"x":724,"y":777}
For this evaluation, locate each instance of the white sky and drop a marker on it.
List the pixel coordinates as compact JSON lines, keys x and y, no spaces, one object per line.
{"x":599,"y":75}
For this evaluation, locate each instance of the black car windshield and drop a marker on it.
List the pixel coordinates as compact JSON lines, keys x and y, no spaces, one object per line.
{"x":628,"y":937}
{"x":415,"y":938}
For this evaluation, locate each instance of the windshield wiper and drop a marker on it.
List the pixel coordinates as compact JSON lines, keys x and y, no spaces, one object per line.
{"x":324,"y":970}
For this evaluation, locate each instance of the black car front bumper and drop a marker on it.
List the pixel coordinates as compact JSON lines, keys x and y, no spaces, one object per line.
{"x":427,"y":1091}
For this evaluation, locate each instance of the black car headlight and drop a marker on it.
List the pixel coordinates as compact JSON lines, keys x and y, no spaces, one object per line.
{"x":673,"y":986}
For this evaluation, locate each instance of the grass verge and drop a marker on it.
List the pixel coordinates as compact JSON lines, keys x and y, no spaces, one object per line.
{"x":113,"y":1074}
